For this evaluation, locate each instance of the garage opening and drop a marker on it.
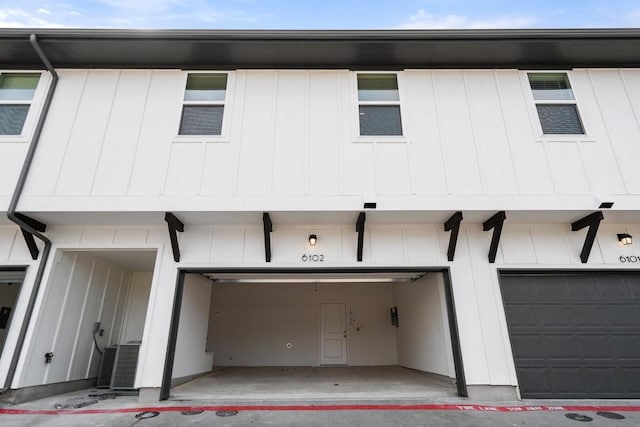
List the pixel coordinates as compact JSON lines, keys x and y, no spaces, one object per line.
{"x":315,"y":335}
{"x":10,"y":284}
{"x":93,"y":307}
{"x":574,"y":334}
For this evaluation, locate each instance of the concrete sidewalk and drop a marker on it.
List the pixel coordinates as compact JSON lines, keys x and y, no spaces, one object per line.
{"x":126,"y":411}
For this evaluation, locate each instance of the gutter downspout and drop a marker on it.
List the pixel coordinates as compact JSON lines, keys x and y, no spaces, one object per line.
{"x":11,"y":214}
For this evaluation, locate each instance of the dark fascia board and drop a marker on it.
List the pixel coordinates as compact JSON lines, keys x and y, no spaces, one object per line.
{"x":333,"y":49}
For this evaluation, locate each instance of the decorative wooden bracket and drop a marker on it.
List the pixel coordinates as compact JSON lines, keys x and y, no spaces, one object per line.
{"x":496,"y":222}
{"x":360,"y":229}
{"x":268,"y":228}
{"x":593,"y":222}
{"x":453,"y":225}
{"x":174,"y":225}
{"x":28,"y":237}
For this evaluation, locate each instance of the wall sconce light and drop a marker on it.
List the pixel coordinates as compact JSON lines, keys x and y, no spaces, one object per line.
{"x":625,"y":239}
{"x":313,"y":239}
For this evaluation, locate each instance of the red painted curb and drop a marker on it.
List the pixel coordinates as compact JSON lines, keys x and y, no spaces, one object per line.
{"x":373,"y":407}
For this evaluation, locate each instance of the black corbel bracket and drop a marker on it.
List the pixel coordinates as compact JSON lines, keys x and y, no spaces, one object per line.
{"x":360,"y":229}
{"x":28,"y":237}
{"x":268,"y":228}
{"x":174,"y":225}
{"x":495,"y":222}
{"x":453,"y":225}
{"x":593,"y":222}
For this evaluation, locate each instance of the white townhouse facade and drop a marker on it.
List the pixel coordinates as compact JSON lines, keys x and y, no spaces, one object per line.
{"x":461,"y":203}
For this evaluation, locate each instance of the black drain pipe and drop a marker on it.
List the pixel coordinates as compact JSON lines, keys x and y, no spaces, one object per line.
{"x":11,"y":214}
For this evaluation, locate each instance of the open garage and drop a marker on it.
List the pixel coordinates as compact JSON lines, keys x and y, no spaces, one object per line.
{"x":574,"y":334}
{"x":315,"y":334}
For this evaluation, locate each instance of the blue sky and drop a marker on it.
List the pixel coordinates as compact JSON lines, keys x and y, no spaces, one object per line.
{"x":327,"y":14}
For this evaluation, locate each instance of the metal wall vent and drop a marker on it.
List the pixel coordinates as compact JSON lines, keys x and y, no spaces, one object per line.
{"x":125,"y":365}
{"x":106,"y":367}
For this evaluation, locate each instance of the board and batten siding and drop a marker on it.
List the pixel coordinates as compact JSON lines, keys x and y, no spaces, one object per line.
{"x":482,"y":326}
{"x":113,"y":133}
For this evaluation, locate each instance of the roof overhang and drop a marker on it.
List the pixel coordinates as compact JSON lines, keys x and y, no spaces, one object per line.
{"x":327,"y":49}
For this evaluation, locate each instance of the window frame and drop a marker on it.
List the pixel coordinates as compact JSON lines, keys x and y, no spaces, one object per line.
{"x":226,"y":114}
{"x":357,"y":137}
{"x":534,"y":117}
{"x":35,"y":105}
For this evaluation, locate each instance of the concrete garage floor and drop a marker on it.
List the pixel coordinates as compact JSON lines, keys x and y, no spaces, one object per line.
{"x":316,"y":383}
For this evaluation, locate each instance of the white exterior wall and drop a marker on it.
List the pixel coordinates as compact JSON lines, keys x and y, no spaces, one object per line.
{"x":82,"y":290}
{"x":94,"y":238}
{"x":482,"y":327}
{"x":111,"y":143}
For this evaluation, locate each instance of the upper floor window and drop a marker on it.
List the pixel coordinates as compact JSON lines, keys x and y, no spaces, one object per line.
{"x":16,"y":93}
{"x":203,"y":105}
{"x":379,"y":105}
{"x":555,"y":104}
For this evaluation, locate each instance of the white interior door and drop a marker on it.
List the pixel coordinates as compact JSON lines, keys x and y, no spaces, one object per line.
{"x":334,"y":335}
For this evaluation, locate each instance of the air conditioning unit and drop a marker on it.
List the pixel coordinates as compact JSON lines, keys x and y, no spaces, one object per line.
{"x":124,"y":366}
{"x":106,"y":367}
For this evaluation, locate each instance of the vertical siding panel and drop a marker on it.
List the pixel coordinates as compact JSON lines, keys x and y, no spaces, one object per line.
{"x":529,"y":159}
{"x":359,"y":175}
{"x":63,"y":345}
{"x":218,"y":175}
{"x":11,"y":161}
{"x":465,"y":295}
{"x":392,"y":169}
{"x":48,"y":320}
{"x":494,"y":152}
{"x":118,"y":320}
{"x":566,"y":168}
{"x":551,"y":244}
{"x":517,"y":245}
{"x":620,"y":121}
{"x":83,"y":150}
{"x":80,"y":362}
{"x":599,"y":161}
{"x":56,"y":133}
{"x":426,"y":158}
{"x":387,"y":245}
{"x":159,"y":125}
{"x":463,"y":173}
{"x":254,"y":174}
{"x":289,"y":166}
{"x":7,"y":237}
{"x":489,"y":306}
{"x":423,"y":244}
{"x":184,"y":170}
{"x":123,"y":130}
{"x":324,"y":133}
{"x":227,"y":246}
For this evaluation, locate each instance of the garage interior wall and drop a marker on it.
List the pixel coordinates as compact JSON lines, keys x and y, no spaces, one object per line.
{"x":251,"y":324}
{"x":423,"y":337}
{"x":191,"y":357}
{"x":82,"y":289}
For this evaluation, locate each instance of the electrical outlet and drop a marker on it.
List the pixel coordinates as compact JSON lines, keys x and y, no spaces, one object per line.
{"x":96,"y":327}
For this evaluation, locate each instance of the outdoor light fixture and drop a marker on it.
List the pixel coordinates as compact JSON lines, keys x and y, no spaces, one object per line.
{"x":313,"y":239}
{"x":625,"y":239}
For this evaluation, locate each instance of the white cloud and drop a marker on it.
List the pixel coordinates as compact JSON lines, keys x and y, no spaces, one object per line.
{"x":43,"y":11}
{"x":18,"y":18}
{"x":425,"y":20}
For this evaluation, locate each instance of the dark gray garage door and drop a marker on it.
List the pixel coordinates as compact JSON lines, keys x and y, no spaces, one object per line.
{"x":574,"y":335}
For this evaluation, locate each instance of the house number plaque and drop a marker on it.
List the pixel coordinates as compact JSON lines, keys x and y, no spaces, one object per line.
{"x":312,"y":258}
{"x":629,"y":259}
